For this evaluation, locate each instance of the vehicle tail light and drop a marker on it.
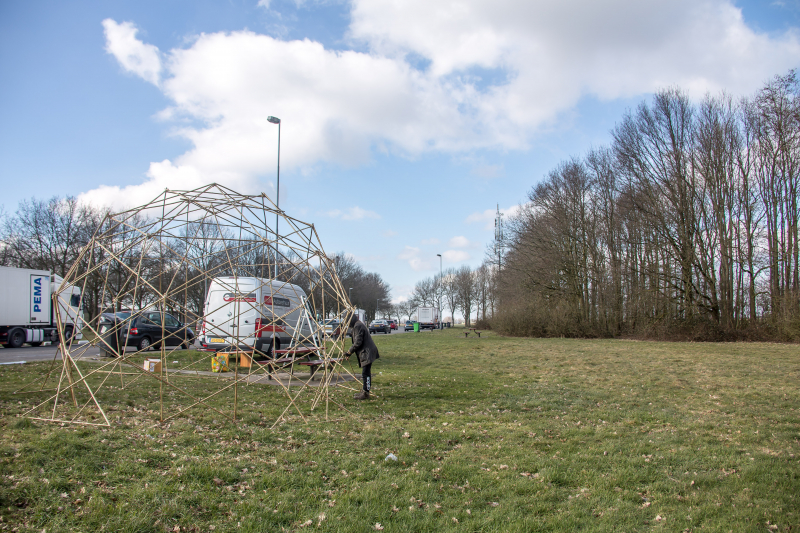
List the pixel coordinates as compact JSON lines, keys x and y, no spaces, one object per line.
{"x":203,"y":329}
{"x":263,"y":328}
{"x":134,"y":331}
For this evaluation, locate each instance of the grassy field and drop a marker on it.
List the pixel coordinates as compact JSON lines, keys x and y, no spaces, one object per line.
{"x":492,"y":434}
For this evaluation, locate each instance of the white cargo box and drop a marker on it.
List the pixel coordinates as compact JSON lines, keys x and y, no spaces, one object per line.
{"x":24,"y":297}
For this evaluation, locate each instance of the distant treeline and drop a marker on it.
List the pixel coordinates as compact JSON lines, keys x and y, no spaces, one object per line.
{"x":686,"y":226}
{"x":50,"y":234}
{"x":460,"y":289}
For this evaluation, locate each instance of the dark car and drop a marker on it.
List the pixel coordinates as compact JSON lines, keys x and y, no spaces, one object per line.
{"x":143,"y":330}
{"x":380,"y":325}
{"x":409,"y":325}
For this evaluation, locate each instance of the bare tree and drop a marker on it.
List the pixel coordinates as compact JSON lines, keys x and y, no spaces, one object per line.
{"x":47,"y":234}
{"x":425,"y":292}
{"x":466,"y":292}
{"x":687,"y":223}
{"x":450,"y":291}
{"x":407,"y":308}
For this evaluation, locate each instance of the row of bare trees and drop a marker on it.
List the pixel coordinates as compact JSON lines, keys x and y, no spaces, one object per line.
{"x":687,"y":223}
{"x":366,"y":290}
{"x":470,"y":292}
{"x":50,"y":234}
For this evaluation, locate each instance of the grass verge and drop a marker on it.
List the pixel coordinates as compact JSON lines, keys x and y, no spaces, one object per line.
{"x":491,"y":434}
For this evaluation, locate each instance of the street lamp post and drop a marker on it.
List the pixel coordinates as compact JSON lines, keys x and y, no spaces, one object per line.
{"x":441,"y":280}
{"x":350,"y":295}
{"x":276,"y":120}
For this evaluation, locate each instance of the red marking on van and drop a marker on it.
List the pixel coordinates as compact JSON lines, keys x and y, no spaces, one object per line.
{"x":267,"y":328}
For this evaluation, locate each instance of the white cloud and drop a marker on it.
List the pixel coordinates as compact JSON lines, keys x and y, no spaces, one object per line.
{"x":487,"y":217}
{"x":429,"y":242}
{"x":401,"y":293}
{"x":353,"y":213}
{"x":456,"y":256}
{"x":134,"y":55}
{"x":389,"y":234}
{"x":554,"y":52}
{"x":459,"y":242}
{"x":408,"y":252}
{"x":411,"y":255}
{"x":496,"y":71}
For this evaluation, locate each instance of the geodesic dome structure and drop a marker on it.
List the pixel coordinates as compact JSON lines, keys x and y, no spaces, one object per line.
{"x":212,"y":280}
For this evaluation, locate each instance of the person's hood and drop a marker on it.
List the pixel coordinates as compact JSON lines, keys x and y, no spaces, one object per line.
{"x":353,"y":320}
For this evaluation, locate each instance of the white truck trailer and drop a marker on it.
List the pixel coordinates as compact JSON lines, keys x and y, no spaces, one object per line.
{"x":428,"y":317}
{"x":27,"y":314}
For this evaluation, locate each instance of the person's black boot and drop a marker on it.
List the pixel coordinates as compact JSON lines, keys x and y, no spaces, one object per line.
{"x":363,"y":395}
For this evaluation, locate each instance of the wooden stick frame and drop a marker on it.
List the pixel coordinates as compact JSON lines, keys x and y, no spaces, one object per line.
{"x":150,"y":258}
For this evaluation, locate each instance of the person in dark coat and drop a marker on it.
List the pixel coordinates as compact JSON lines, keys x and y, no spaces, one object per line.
{"x":367,"y":352}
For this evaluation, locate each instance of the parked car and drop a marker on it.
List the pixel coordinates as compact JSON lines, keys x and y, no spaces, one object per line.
{"x":409,"y":325}
{"x":392,"y":323}
{"x":143,"y":330}
{"x":380,"y":325}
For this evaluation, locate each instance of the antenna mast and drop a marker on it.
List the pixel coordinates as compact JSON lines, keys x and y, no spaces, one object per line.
{"x":498,"y":236}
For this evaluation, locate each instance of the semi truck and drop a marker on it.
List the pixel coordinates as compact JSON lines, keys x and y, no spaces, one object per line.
{"x":28,"y":313}
{"x":428,"y":317}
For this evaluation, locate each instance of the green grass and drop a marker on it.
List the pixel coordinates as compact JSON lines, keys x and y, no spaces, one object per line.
{"x":499,"y":434}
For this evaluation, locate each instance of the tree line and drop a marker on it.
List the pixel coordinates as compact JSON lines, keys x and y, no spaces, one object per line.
{"x":466,"y":290}
{"x":50,"y":234}
{"x":687,"y":224}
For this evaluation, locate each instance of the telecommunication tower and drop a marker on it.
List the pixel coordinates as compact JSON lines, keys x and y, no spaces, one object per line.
{"x":498,"y":236}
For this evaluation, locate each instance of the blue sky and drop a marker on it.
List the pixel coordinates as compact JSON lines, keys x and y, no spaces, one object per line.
{"x":403,"y":126}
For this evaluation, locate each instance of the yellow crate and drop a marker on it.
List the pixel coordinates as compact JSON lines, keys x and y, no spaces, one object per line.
{"x":219,"y":363}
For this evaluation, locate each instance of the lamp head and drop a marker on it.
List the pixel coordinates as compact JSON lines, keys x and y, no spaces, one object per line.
{"x":274,"y":120}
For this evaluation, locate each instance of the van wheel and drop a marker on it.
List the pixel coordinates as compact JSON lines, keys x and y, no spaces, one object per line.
{"x":143,"y":345}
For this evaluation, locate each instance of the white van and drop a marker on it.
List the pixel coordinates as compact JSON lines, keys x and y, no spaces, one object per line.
{"x":256,"y":313}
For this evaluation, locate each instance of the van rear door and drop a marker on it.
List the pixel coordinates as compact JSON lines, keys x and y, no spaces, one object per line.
{"x":241,"y":302}
{"x":219,"y":316}
{"x":247,"y":312}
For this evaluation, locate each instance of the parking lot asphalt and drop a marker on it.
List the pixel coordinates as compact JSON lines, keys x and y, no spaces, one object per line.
{"x":47,"y":351}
